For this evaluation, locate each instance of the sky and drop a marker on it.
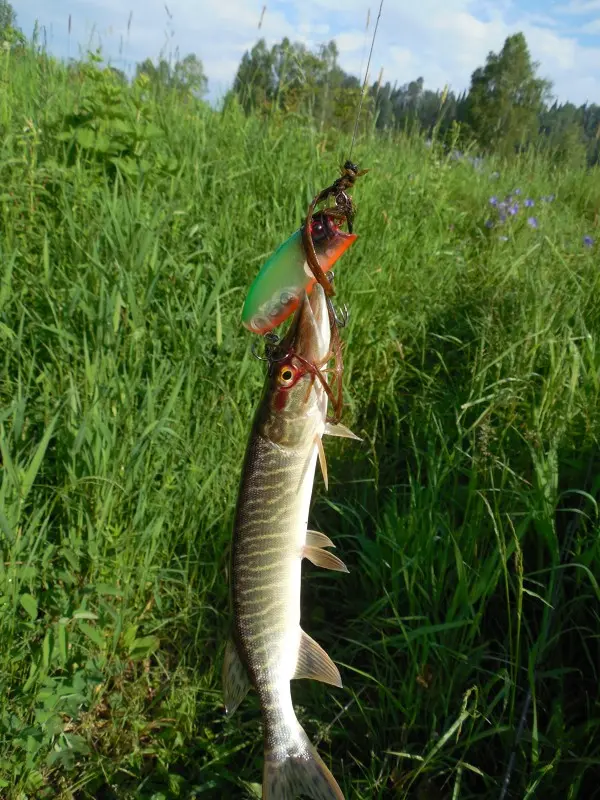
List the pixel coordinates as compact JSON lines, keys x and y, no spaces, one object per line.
{"x":441,"y":40}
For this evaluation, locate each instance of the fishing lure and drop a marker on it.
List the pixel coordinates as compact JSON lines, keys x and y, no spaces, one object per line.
{"x":343,"y":210}
{"x":304,"y":258}
{"x":279,"y":286}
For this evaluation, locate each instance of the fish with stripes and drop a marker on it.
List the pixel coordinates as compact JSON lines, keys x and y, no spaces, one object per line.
{"x":268,"y":648}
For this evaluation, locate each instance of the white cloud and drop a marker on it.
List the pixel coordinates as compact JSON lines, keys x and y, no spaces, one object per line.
{"x":441,"y":40}
{"x":579,"y":7}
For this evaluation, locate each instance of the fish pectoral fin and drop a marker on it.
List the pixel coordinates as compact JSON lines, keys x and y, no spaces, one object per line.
{"x":322,"y":461}
{"x":316,"y":539}
{"x":313,"y":662}
{"x":323,"y":558}
{"x":340,"y":430}
{"x":236,"y":682}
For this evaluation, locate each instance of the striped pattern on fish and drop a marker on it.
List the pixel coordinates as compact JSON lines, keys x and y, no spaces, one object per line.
{"x":271,"y":537}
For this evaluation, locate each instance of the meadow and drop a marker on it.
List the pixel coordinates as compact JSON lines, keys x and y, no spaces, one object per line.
{"x":467,"y":630}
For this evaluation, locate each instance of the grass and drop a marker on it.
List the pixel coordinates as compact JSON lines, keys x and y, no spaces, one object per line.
{"x":468,"y":516}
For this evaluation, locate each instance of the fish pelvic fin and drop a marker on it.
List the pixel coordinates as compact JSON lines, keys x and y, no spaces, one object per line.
{"x":322,"y":461}
{"x":316,"y":539}
{"x":323,"y":558}
{"x":236,"y":682}
{"x":300,"y":773}
{"x":314,"y":663}
{"x":340,"y":430}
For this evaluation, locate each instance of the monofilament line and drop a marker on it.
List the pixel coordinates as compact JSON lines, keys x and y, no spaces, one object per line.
{"x":364,"y":86}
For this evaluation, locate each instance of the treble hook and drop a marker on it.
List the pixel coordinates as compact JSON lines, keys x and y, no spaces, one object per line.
{"x":341,"y":318}
{"x":271,"y":341}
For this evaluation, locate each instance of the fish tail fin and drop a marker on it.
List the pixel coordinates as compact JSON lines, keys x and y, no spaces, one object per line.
{"x":301,"y":772}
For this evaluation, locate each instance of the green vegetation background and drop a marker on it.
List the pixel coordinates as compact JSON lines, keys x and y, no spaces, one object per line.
{"x":132,"y":222}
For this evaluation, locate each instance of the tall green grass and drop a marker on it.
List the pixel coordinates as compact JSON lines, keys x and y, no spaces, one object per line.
{"x":467,"y":516}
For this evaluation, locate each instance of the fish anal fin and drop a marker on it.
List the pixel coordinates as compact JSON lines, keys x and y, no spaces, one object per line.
{"x":313,"y":662}
{"x":323,"y":558}
{"x":341,"y":431}
{"x":316,"y":539}
{"x":236,"y":682}
{"x":322,"y":461}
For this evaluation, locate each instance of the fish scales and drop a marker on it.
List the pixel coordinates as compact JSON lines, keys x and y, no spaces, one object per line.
{"x":268,"y":648}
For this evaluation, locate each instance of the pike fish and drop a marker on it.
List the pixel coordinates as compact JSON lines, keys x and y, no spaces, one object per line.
{"x":268,"y":648}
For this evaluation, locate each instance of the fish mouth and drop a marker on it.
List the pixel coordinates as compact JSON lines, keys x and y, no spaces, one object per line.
{"x":309,"y":335}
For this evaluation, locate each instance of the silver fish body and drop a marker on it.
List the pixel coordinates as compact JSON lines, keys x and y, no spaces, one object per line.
{"x":268,"y":647}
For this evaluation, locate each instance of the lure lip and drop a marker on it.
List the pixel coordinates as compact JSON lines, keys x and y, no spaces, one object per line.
{"x":336,"y":246}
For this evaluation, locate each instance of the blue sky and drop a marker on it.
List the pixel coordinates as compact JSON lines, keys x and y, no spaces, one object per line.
{"x":442,"y":40}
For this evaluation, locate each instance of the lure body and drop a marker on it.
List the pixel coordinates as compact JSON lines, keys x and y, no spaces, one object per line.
{"x":278,"y":288}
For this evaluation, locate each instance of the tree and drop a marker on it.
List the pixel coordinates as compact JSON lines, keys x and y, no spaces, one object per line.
{"x":562,"y":132}
{"x":293,"y":79}
{"x":186,"y":75}
{"x":253,"y":82}
{"x":8,"y":16}
{"x":506,"y":97}
{"x":9,"y":32}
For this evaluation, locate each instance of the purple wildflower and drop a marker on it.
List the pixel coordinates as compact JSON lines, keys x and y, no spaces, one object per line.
{"x":588,"y":241}
{"x":512,"y":210}
{"x":517,"y":191}
{"x":532,"y":222}
{"x":493,"y":200}
{"x":489,"y":223}
{"x":502,"y":217}
{"x":529,"y":203}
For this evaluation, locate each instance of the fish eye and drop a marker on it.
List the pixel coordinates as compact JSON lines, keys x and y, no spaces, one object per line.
{"x":286,"y":375}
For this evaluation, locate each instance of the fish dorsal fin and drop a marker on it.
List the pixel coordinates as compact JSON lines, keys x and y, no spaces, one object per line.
{"x":313,"y":662}
{"x":340,"y":430}
{"x":322,"y":461}
{"x":323,"y":558}
{"x":316,"y":539}
{"x":236,"y":682}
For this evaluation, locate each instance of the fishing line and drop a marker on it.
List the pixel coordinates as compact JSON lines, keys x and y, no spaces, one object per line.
{"x":362,"y":94}
{"x":365,"y":43}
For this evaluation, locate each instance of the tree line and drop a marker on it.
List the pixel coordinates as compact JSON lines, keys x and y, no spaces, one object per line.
{"x":506,"y":109}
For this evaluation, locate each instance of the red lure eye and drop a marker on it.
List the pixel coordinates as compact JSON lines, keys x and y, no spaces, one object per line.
{"x":317,"y":231}
{"x":321,"y":227}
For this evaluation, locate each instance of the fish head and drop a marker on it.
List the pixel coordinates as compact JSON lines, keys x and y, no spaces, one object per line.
{"x":295,"y":403}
